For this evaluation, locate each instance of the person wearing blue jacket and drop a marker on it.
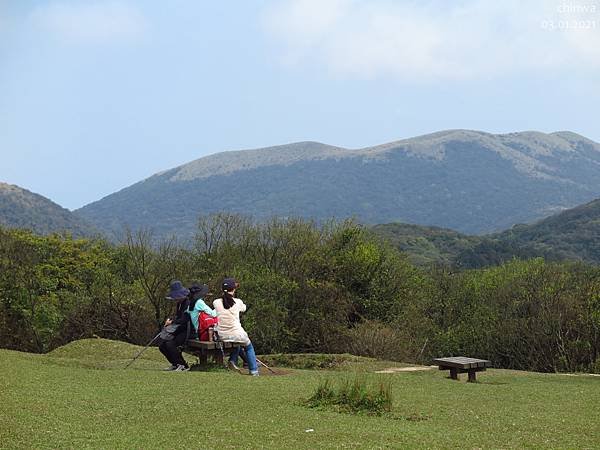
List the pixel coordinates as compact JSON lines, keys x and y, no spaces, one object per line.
{"x":198,"y":305}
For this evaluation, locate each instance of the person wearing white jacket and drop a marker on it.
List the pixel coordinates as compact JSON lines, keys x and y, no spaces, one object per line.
{"x":230,"y":328}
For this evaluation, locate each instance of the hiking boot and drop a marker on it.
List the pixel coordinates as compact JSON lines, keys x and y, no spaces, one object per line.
{"x":170,"y":368}
{"x":232,"y":366}
{"x":181,"y":368}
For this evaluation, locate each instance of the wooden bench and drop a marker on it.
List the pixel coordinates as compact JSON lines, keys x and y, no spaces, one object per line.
{"x":216,"y":349}
{"x":462,"y":364}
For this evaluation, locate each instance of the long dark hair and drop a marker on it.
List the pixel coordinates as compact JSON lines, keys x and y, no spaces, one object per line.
{"x":227,"y":300}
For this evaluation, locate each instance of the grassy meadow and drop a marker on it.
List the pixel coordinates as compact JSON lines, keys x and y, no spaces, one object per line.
{"x":79,"y":396}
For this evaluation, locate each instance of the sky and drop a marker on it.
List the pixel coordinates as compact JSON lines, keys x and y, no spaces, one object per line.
{"x":97,"y":95}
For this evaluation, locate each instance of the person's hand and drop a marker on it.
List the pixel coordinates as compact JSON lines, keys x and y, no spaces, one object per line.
{"x":168,"y":322}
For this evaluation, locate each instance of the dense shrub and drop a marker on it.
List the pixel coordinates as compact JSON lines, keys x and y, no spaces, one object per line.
{"x":376,"y":340}
{"x":524,"y":314}
{"x":51,"y":290}
{"x":310,"y":288}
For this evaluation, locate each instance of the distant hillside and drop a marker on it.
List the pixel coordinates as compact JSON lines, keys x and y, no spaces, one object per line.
{"x":573,"y":234}
{"x":427,"y":245}
{"x":469,"y":181}
{"x":20,"y":208}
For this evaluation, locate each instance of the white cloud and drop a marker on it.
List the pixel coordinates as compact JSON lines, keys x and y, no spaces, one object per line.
{"x":436,"y":39}
{"x":98,"y":22}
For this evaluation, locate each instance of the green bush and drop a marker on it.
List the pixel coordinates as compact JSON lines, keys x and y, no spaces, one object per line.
{"x":376,"y":340}
{"x":310,"y":288}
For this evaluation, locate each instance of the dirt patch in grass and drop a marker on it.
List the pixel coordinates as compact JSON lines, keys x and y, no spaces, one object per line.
{"x":582,"y":374}
{"x":213,"y":367}
{"x":405,"y":369}
{"x":276,"y":372}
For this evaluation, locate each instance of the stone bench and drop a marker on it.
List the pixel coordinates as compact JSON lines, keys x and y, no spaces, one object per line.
{"x":462,"y":364}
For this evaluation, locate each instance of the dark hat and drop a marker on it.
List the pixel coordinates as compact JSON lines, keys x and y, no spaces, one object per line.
{"x":198,"y":290}
{"x":229,"y":284}
{"x":177,"y":291}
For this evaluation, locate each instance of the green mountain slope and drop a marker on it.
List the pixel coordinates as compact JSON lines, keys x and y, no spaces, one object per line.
{"x":573,"y":234}
{"x":20,"y":208}
{"x":469,"y":181}
{"x":427,"y":245}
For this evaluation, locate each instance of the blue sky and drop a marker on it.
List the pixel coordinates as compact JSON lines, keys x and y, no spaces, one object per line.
{"x":97,"y":95}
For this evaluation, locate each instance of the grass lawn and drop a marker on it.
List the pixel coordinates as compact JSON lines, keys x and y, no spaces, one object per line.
{"x":79,"y":396}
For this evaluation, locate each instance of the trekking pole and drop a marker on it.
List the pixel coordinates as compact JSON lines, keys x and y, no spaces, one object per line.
{"x":259,"y":361}
{"x":245,"y":358}
{"x":142,"y":351}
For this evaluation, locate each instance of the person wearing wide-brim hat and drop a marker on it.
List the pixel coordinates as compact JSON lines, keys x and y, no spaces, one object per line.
{"x":198,"y":309}
{"x":174,"y":332}
{"x":230,"y":329}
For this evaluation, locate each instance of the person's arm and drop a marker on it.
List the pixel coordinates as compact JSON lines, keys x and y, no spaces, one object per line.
{"x":203,"y":307}
{"x":180,"y":320}
{"x":182,"y":314}
{"x":218,"y":305}
{"x":241,"y":305}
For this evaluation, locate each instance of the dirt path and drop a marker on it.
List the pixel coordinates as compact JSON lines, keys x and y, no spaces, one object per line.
{"x":405,"y":369}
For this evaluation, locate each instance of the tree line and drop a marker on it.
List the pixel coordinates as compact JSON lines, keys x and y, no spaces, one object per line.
{"x":332,"y":287}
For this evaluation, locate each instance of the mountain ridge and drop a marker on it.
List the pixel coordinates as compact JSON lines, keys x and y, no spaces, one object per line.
{"x":425,"y":146}
{"x":572,"y":234}
{"x":470,"y":181}
{"x":21,"y":208}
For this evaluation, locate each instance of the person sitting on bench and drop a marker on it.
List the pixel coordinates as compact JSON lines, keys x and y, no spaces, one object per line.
{"x":174,"y":332}
{"x":200,"y":310}
{"x":229,"y":327}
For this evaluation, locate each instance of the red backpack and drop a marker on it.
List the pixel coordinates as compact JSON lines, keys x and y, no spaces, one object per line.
{"x":206,"y":321}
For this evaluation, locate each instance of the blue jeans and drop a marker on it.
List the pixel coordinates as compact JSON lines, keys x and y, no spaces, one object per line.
{"x":250,"y":355}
